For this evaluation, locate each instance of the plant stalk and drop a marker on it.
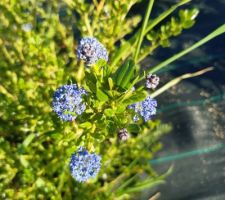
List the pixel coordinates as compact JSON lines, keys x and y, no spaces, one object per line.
{"x":141,"y":35}
{"x":212,"y":35}
{"x":179,"y":79}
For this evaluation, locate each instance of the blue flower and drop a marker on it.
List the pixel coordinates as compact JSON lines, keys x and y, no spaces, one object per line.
{"x":68,"y":102}
{"x":145,"y":109}
{"x":84,"y":165}
{"x":91,"y":50}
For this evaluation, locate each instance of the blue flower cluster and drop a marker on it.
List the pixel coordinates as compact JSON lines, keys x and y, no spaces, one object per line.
{"x":84,"y":165}
{"x":91,"y":50}
{"x":145,"y":109}
{"x":68,"y":102}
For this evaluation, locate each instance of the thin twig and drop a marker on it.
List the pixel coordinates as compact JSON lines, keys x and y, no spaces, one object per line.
{"x":155,"y":197}
{"x":88,"y":26}
{"x":178,"y":79}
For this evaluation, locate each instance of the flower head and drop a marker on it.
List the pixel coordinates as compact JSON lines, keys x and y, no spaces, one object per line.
{"x":152,"y":81}
{"x":68,"y":102}
{"x":145,"y":109}
{"x":91,"y":50}
{"x":84,"y":165}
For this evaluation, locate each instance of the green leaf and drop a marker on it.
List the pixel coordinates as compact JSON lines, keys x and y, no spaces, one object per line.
{"x":24,"y":161}
{"x":28,"y":139}
{"x":133,"y":128}
{"x":101,"y":95}
{"x":91,"y":81}
{"x":40,"y":182}
{"x":110,"y":81}
{"x":54,"y":134}
{"x":165,"y":43}
{"x":130,"y":85}
{"x":99,"y":136}
{"x":139,"y":188}
{"x":120,"y":73}
{"x":111,"y":126}
{"x":128,"y":75}
{"x":125,"y":183}
{"x":120,"y":108}
{"x":100,"y":69}
{"x":86,"y":125}
{"x":136,"y":97}
{"x":109,"y":112}
{"x":120,"y":53}
{"x":149,"y":182}
{"x":187,"y":17}
{"x":116,"y":74}
{"x":124,"y":74}
{"x":152,"y":36}
{"x":100,"y":63}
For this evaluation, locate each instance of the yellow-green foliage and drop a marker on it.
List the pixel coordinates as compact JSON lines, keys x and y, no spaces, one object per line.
{"x":38,"y":39}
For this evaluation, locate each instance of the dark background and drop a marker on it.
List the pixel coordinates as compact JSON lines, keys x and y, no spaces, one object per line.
{"x":196,"y":110}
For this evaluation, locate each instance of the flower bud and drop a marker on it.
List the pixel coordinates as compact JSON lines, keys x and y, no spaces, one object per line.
{"x":123,"y":134}
{"x":152,"y":81}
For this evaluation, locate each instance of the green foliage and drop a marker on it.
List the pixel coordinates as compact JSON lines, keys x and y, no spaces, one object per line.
{"x":37,"y":44}
{"x":106,"y":20}
{"x":172,"y":28}
{"x":124,"y":75}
